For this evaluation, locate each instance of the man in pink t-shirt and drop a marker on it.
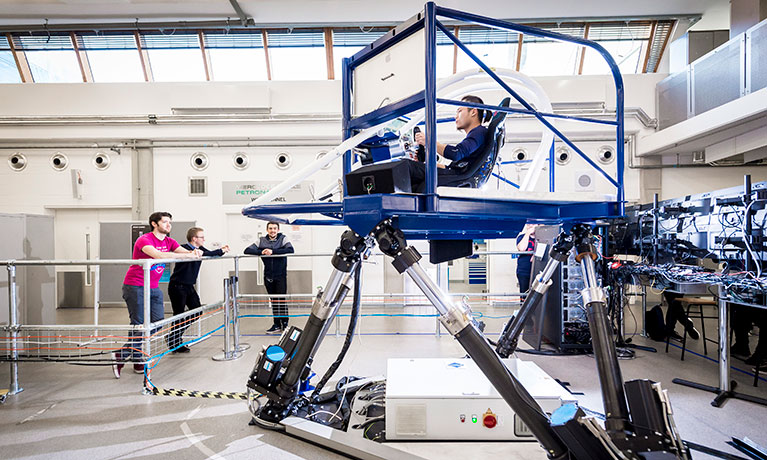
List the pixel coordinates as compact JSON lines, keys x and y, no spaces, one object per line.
{"x":154,"y":245}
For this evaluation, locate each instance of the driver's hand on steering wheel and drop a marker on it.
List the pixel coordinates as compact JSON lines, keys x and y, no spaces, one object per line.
{"x":420,"y":138}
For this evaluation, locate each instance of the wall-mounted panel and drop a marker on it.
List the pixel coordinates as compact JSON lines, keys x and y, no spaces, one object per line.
{"x":756,"y":57}
{"x":672,"y":99}
{"x":718,"y":77}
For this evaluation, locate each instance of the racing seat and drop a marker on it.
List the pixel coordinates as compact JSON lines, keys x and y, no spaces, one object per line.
{"x":480,"y":165}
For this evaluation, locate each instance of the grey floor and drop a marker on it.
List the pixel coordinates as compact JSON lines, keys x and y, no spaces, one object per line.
{"x":83,"y":412}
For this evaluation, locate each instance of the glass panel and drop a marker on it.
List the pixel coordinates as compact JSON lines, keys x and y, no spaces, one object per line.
{"x":340,"y":52}
{"x":115,"y":65}
{"x":347,"y":42}
{"x":9,"y":73}
{"x":357,"y":36}
{"x":242,"y":64}
{"x":160,"y":40}
{"x":296,"y":38}
{"x":445,"y":60}
{"x":176,"y":64}
{"x":112,"y":40}
{"x":54,"y":66}
{"x":298,"y":63}
{"x":233,"y":39}
{"x":501,"y":55}
{"x":548,"y":58}
{"x":626,"y":53}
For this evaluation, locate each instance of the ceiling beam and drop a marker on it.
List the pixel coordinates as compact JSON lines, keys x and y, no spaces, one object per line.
{"x":104,"y":24}
{"x":245,"y":20}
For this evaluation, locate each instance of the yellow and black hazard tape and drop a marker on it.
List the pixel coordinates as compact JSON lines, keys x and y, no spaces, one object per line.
{"x":199,"y":394}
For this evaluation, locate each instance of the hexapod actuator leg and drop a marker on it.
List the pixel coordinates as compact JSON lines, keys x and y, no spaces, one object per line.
{"x":283,"y":391}
{"x":507,"y":343}
{"x":459,"y":322}
{"x":610,"y":379}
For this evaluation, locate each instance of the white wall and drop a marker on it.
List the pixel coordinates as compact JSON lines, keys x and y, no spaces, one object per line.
{"x":677,"y":182}
{"x":39,"y":188}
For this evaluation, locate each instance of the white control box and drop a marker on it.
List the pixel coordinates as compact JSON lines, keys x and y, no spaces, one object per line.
{"x":451,"y":399}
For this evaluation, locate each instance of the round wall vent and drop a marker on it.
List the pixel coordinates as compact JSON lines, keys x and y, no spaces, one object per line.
{"x":519,"y":154}
{"x":584,"y":181}
{"x":283,"y":160}
{"x":199,"y":161}
{"x":17,"y":161}
{"x":240,"y":161}
{"x":606,"y":154}
{"x":101,"y":161}
{"x":59,"y":161}
{"x":562,"y":156}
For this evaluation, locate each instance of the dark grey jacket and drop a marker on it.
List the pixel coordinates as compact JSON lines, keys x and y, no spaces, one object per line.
{"x":274,"y":267}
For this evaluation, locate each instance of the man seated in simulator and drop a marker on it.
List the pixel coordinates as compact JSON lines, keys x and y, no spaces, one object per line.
{"x":468,"y":120}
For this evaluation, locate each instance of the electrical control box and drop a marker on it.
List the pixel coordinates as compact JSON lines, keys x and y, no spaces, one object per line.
{"x":451,"y":399}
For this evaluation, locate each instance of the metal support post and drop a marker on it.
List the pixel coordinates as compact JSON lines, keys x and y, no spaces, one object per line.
{"x":750,"y":264}
{"x":235,"y":288}
{"x":724,"y":341}
{"x":229,"y":353}
{"x":430,"y":105}
{"x":13,"y":322}
{"x":147,"y":311}
{"x":644,"y":311}
{"x":655,"y":224}
{"x":96,"y":293}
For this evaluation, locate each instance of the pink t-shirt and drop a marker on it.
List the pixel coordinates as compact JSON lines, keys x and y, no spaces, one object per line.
{"x":135,"y":275}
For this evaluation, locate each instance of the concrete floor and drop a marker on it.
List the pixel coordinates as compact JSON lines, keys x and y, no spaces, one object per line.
{"x":76,"y":412}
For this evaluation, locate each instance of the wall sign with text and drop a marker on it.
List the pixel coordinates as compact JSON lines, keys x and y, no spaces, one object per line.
{"x":238,"y":192}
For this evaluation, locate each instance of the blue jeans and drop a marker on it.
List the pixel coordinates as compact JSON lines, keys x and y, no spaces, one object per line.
{"x":134,"y":299}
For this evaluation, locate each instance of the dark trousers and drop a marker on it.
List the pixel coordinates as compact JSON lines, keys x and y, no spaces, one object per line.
{"x":675,"y":312}
{"x":418,"y":176}
{"x":524,"y":281}
{"x":279,"y":304}
{"x":182,"y":296}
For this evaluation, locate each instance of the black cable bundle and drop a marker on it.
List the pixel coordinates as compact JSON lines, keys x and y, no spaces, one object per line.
{"x":349,"y":334}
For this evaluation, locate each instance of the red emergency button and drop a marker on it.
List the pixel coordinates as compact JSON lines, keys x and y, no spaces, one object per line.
{"x":489,"y":419}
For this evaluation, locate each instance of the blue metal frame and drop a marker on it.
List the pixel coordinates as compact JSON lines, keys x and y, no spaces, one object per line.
{"x":428,"y":21}
{"x":552,"y":163}
{"x":505,"y":180}
{"x":429,"y":215}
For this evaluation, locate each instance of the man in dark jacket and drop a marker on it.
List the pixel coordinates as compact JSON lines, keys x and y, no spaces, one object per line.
{"x":275,"y":271}
{"x":181,"y":287}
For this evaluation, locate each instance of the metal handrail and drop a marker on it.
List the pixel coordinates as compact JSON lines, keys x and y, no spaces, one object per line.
{"x":22,"y":262}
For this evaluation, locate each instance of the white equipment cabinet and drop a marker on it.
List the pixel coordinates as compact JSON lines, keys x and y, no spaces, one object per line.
{"x":450,"y":399}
